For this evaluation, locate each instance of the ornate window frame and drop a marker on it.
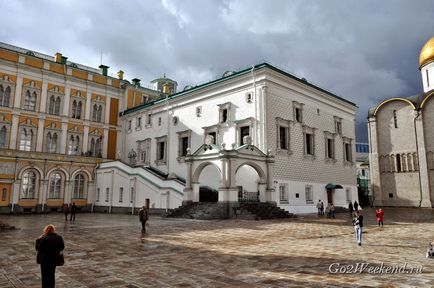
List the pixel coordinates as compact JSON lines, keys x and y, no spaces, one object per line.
{"x":329,"y":136}
{"x":29,"y":127}
{"x":32,"y":89}
{"x":347,"y":141}
{"x":144,"y":151}
{"x":338,"y":125}
{"x":311,"y":131}
{"x":6,"y":82}
{"x":222,"y":107}
{"x":212,"y":129}
{"x":7,"y":125}
{"x":243,"y":123}
{"x":181,"y":135}
{"x":55,"y":92}
{"x":52,"y":129}
{"x":159,"y":140}
{"x":78,"y":98}
{"x":297,"y":106}
{"x":286,"y":124}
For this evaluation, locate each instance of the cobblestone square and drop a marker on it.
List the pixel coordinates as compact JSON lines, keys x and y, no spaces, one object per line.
{"x":109,"y":251}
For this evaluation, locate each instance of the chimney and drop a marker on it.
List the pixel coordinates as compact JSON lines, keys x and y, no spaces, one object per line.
{"x":136,"y":82}
{"x":121,"y":75}
{"x":58,"y":58}
{"x":103,"y":69}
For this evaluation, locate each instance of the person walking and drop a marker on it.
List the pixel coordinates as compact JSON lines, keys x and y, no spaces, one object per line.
{"x":66,"y":211}
{"x":322,"y":208}
{"x":356,"y":206}
{"x":318,"y":206}
{"x":350,"y":208}
{"x":49,"y":245}
{"x":358,"y":227}
{"x":143,"y":217}
{"x":332,"y":211}
{"x":380,"y":216}
{"x":73,"y":211}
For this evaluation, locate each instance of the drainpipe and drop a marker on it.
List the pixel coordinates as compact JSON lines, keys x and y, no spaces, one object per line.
{"x":15,"y":180}
{"x":43,"y":192}
{"x":111,"y":194}
{"x":417,"y":153}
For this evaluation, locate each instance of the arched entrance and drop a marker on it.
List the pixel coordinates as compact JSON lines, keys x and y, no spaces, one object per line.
{"x":228,"y":163}
{"x":207,"y":178}
{"x":251,"y":182}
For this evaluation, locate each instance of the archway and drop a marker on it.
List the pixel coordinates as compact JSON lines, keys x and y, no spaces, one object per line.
{"x":250,"y":182}
{"x":209,"y":181}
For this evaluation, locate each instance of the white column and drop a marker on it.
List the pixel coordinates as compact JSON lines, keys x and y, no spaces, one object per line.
{"x":423,"y":164}
{"x":87,"y":109}
{"x":14,"y":132}
{"x":66,"y":99}
{"x":105,"y":143}
{"x":40,"y":137}
{"x":263,"y":145}
{"x":18,"y":91}
{"x":63,"y":138}
{"x":374,"y":165}
{"x":44,"y":96}
{"x":196,"y":192}
{"x":85,"y":138}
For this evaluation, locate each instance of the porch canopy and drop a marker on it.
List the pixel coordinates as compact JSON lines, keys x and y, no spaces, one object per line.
{"x":332,"y":186}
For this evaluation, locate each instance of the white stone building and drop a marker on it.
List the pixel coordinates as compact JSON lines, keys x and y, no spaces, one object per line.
{"x":309,"y":131}
{"x":401,"y":138}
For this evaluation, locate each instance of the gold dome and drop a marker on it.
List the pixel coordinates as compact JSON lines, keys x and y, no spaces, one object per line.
{"x":427,"y":53}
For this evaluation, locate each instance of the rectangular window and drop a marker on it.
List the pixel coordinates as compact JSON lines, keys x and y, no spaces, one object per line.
{"x":161,"y":147}
{"x":283,"y":193}
{"x":129,"y":124}
{"x":214,"y":136}
{"x":139,"y":122}
{"x":309,"y":194}
{"x":97,"y":194}
{"x":224,"y":117}
{"x":184,"y":146}
{"x":121,"y":194}
{"x":427,"y":78}
{"x":244,"y":131}
{"x":348,"y":156}
{"x":144,"y":98}
{"x":363,"y":172}
{"x":283,"y":138}
{"x":348,"y":195}
{"x":309,"y":144}
{"x":107,"y":194}
{"x":149,"y":119}
{"x":132,"y":195}
{"x":198,"y":111}
{"x":330,"y":148}
{"x":298,"y":114}
{"x":339,"y":127}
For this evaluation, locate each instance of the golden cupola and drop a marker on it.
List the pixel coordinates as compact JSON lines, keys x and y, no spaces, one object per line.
{"x":427,"y":53}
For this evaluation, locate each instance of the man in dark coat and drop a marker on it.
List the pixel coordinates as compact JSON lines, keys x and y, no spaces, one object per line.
{"x":143,"y":217}
{"x":356,"y":206}
{"x":73,"y":211}
{"x":49,"y":246}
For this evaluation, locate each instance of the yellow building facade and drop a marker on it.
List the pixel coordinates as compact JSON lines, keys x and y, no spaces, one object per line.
{"x":58,"y":120}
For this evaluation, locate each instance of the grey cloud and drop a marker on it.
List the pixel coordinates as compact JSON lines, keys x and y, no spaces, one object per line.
{"x":364,"y":51}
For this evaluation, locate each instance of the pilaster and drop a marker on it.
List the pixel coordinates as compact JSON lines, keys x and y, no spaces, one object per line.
{"x":44,"y":96}
{"x":18,"y":91}
{"x":40,"y":137}
{"x":423,"y":163}
{"x":374,"y":165}
{"x":14,"y":132}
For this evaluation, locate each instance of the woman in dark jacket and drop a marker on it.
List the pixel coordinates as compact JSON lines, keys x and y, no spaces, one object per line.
{"x":49,"y":245}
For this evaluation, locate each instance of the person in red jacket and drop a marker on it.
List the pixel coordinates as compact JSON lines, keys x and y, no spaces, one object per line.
{"x":380,"y":216}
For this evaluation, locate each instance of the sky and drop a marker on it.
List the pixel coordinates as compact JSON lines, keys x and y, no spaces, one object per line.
{"x":363,"y":51}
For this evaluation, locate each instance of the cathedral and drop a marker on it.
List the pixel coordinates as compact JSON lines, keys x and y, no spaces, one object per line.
{"x":72,"y":133}
{"x":401,"y":137}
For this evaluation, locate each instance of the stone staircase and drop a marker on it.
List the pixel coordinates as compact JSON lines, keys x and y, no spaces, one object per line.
{"x":217,"y":210}
{"x":265,"y":210}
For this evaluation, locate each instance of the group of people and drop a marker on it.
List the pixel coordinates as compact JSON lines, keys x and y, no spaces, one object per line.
{"x":329,"y":210}
{"x":70,"y":209}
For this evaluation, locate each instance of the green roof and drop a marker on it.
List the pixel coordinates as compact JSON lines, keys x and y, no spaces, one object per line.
{"x":236,"y":74}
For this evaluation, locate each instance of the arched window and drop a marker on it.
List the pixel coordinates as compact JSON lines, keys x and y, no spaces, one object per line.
{"x":395,"y":119}
{"x":51,"y":106}
{"x":26,"y":139}
{"x":74,"y":145}
{"x":92,"y":147}
{"x":57,"y":106}
{"x":29,"y":185}
{"x":48,"y":142}
{"x":51,"y":142}
{"x":99,"y":114}
{"x":27,"y":100}
{"x":98,"y":147}
{"x":78,"y":114}
{"x":74,"y":108}
{"x":55,"y":186}
{"x":94,"y":112}
{"x":3,"y":137}
{"x":398,"y":163}
{"x":5,"y":95}
{"x":32,"y":102}
{"x":79,"y":184}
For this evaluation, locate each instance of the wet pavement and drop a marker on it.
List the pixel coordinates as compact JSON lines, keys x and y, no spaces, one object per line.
{"x":109,"y":251}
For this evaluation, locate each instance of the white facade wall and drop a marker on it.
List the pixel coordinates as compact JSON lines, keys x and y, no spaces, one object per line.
{"x":273,"y":97}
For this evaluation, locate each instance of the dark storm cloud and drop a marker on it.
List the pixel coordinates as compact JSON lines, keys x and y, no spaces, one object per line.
{"x":364,"y":51}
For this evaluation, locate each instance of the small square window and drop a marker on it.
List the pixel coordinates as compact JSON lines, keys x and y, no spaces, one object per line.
{"x":297,"y":195}
{"x":198,"y":111}
{"x":298,"y":114}
{"x":390,"y":195}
